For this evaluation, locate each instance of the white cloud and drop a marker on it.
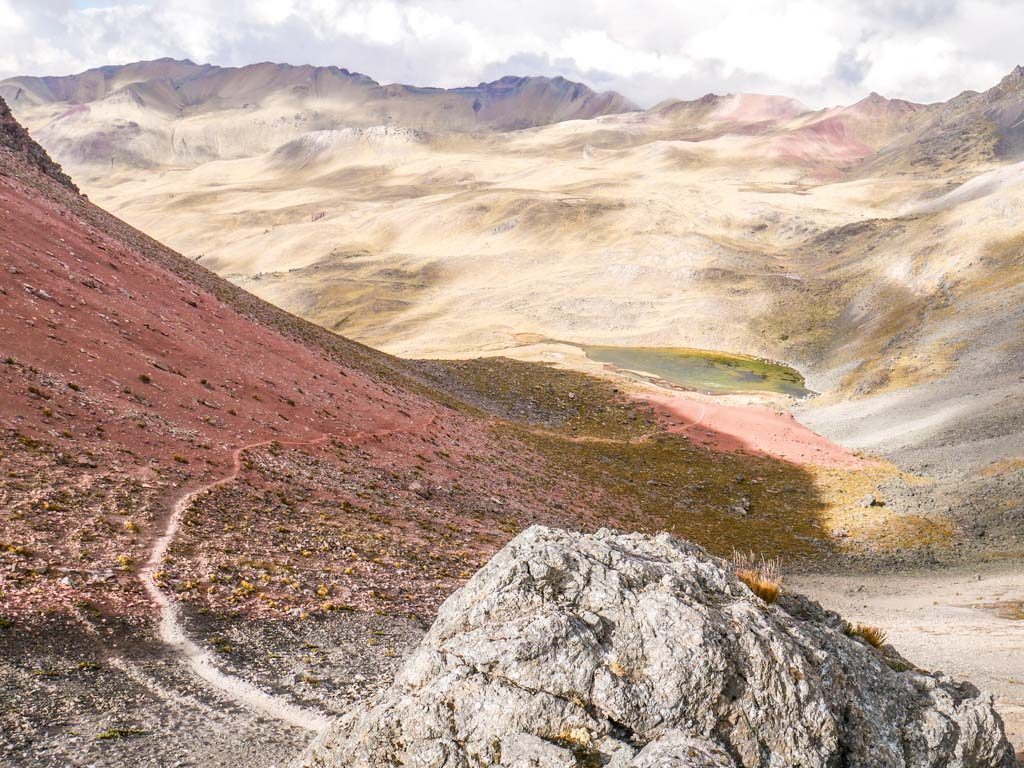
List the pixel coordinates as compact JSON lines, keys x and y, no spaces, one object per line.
{"x":594,"y":49}
{"x":11,"y":22}
{"x":821,"y":52}
{"x":789,"y":42}
{"x":909,"y":63}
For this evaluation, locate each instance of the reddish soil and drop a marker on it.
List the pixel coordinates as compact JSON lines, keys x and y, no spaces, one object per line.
{"x":753,"y":429}
{"x":159,"y":361}
{"x":129,"y":375}
{"x":831,"y":140}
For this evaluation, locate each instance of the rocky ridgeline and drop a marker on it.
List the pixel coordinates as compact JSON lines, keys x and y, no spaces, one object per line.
{"x":570,"y":650}
{"x":13,"y":136}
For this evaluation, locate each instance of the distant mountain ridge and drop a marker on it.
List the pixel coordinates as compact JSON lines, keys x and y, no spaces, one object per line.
{"x":505,"y":104}
{"x":171,"y":113}
{"x":176,"y":113}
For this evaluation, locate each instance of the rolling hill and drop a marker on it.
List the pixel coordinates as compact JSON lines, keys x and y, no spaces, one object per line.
{"x":873,"y":246}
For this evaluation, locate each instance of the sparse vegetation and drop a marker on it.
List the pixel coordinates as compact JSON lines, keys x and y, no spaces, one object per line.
{"x":46,"y":673}
{"x":871,"y":635}
{"x":113,"y":734}
{"x":762,"y":576}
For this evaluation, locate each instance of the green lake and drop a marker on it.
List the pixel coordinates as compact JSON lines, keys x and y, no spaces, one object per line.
{"x":705,"y":371}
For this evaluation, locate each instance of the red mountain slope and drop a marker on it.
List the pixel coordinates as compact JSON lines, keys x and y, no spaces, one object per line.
{"x":130,"y":374}
{"x":331,"y":475}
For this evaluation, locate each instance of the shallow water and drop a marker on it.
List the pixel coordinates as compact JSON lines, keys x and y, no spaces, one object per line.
{"x":705,"y":371}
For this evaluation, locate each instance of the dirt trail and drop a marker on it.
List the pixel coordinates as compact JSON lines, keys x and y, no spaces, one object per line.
{"x":172,"y":633}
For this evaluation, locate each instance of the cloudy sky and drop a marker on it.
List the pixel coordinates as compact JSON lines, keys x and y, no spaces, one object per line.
{"x":819,"y":51}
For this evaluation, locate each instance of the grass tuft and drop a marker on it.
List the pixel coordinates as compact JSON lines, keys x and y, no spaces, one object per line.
{"x":871,"y":635}
{"x":762,"y":576}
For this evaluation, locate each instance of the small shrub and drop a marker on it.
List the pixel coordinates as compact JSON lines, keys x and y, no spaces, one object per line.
{"x":112,"y":734}
{"x":74,"y":387}
{"x":29,"y":441}
{"x":145,"y":378}
{"x":763,"y":577}
{"x":15,"y":549}
{"x":871,"y":635}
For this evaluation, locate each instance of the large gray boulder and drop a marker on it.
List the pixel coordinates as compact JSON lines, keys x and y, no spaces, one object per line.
{"x":570,"y":650}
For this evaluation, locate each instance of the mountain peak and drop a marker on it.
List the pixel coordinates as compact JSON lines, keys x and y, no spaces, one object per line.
{"x":1014,"y":78}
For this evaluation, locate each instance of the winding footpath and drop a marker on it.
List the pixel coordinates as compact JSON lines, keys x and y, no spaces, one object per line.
{"x":172,"y":633}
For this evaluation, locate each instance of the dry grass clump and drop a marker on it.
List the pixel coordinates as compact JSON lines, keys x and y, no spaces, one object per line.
{"x":872,"y":635}
{"x":762,"y":576}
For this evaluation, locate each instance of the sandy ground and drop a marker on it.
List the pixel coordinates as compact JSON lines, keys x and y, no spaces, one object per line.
{"x":969,"y":624}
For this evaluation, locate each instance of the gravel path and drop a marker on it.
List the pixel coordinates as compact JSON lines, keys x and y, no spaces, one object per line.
{"x":200,"y":660}
{"x":172,"y":633}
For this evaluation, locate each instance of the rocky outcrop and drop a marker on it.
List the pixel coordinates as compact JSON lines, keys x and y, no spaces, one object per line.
{"x":13,"y":136}
{"x":571,"y":650}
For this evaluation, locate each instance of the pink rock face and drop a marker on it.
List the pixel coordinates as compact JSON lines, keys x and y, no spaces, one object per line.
{"x":830,"y":140}
{"x":756,"y":108}
{"x":753,"y":429}
{"x":86,"y":306}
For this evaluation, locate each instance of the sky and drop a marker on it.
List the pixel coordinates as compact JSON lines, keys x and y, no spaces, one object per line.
{"x":823,"y":53}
